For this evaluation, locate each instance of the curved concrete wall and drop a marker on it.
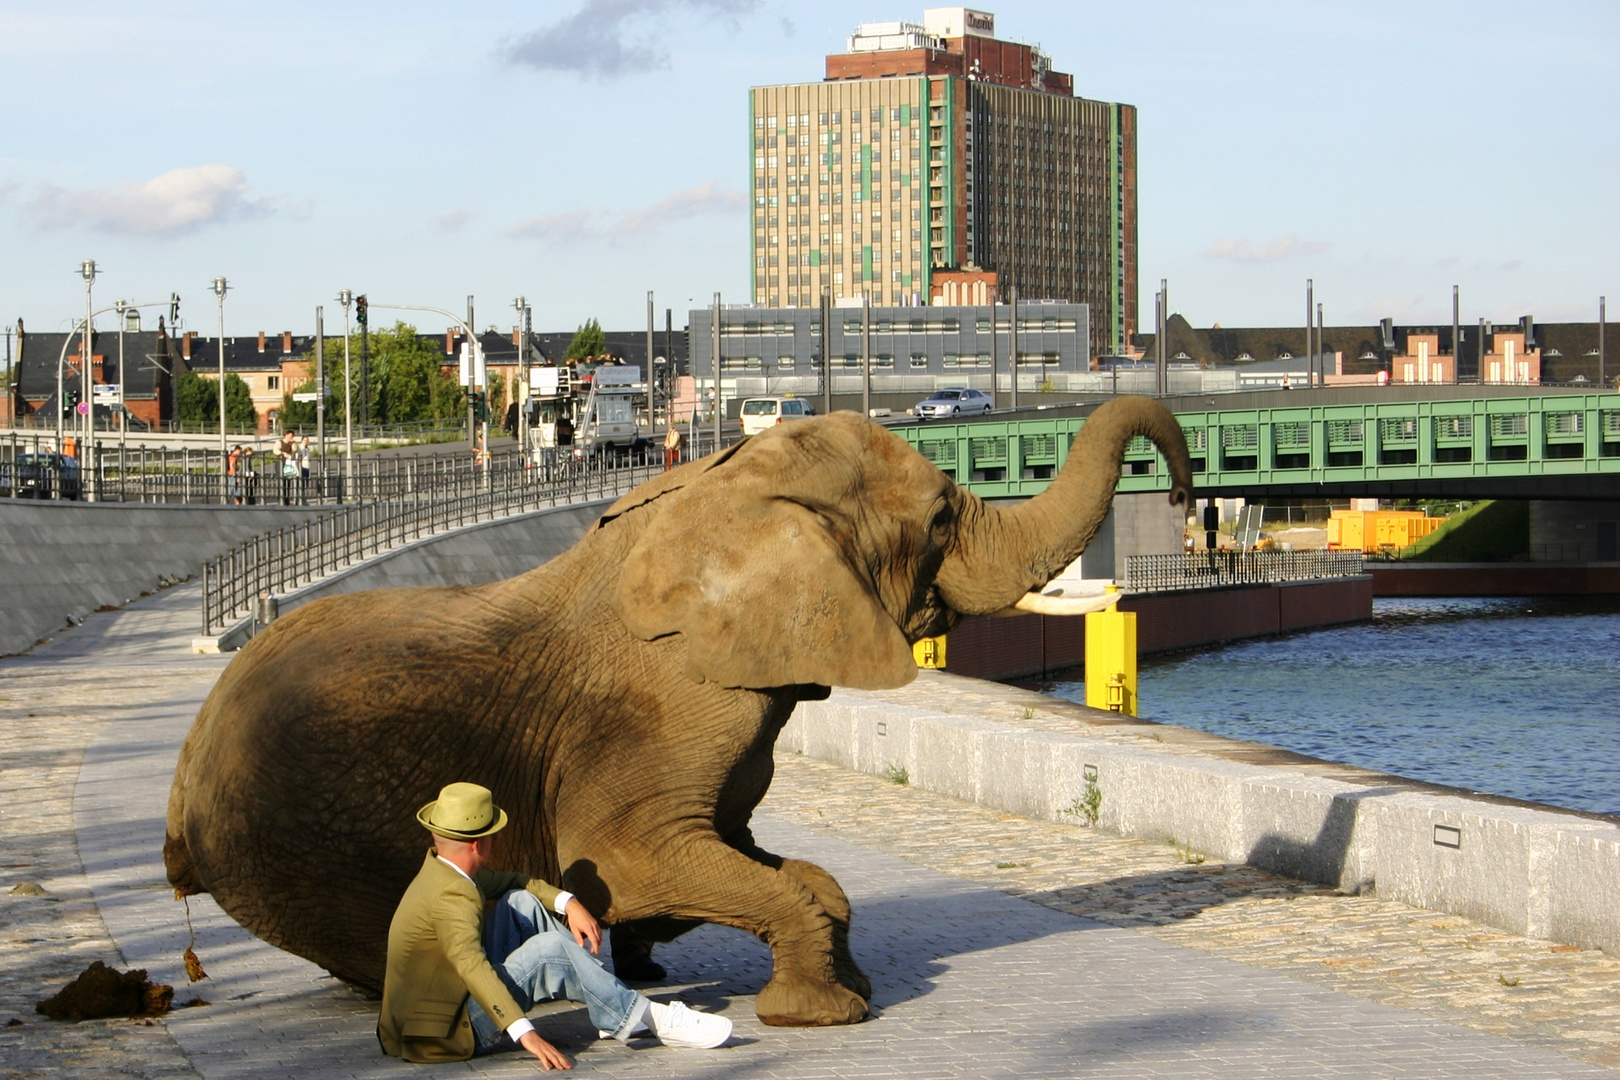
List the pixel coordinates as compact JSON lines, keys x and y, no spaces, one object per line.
{"x":62,"y":560}
{"x":488,"y":551}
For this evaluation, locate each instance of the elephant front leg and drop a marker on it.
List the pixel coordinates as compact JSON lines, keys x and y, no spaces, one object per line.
{"x":714,"y":882}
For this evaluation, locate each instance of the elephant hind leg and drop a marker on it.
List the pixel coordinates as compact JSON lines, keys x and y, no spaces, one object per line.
{"x":177,"y":862}
{"x":632,"y":944}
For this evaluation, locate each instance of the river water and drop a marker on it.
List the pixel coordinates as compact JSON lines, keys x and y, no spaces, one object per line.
{"x":1516,"y":697}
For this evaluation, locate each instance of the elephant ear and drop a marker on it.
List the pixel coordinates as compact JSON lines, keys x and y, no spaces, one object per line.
{"x":763,"y":592}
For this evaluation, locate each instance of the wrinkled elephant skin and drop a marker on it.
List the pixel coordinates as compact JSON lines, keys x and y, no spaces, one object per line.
{"x":621,"y":700}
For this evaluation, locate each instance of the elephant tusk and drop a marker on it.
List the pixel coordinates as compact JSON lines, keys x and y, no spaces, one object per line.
{"x":1040,"y":604}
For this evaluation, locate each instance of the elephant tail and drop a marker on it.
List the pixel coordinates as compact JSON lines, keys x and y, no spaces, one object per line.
{"x":176,"y":851}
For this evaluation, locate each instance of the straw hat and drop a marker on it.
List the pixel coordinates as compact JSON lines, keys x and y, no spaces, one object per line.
{"x":462,"y":812}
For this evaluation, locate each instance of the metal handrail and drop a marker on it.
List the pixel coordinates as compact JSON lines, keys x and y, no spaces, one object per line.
{"x":1219,"y":569}
{"x":281,"y":560}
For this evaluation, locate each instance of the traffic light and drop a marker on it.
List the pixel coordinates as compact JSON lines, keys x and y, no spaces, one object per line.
{"x":174,"y":308}
{"x":480,"y":406}
{"x":71,"y":400}
{"x":360,"y":310}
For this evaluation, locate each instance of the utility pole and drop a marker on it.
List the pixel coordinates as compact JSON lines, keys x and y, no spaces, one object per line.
{"x":1310,"y":321}
{"x":320,"y":386}
{"x":715,"y":367}
{"x":1603,"y":354}
{"x":1320,"y":348}
{"x":648,"y":374}
{"x":1159,"y":324}
{"x":220,"y":288}
{"x":1012,"y":347}
{"x":346,"y":297}
{"x":826,"y":349}
{"x":866,"y":354}
{"x":123,"y":425}
{"x":87,"y":270}
{"x":525,"y":324}
{"x":1457,"y":340}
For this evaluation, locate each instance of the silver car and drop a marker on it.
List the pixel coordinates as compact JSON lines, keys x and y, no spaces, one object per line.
{"x":955,"y":401}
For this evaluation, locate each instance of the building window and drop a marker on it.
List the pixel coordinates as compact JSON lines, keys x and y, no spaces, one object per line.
{"x":272,"y":382}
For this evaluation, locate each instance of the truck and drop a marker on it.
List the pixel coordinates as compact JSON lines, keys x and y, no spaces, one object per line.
{"x":581,"y":410}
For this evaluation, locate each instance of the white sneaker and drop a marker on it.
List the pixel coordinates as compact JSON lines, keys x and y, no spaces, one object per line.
{"x":676,"y":1025}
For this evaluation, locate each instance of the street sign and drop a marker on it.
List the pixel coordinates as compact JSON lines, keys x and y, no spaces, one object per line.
{"x":82,"y":408}
{"x":106,"y":392}
{"x":308,"y":395}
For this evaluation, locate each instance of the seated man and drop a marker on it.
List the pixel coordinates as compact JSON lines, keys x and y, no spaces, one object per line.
{"x":442,"y":947}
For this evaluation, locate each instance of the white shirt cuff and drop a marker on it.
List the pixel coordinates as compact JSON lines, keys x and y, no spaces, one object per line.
{"x":560,"y":904}
{"x":519,"y":1028}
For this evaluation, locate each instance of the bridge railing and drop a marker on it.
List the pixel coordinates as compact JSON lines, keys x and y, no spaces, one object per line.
{"x":281,"y":560}
{"x":1216,"y":569}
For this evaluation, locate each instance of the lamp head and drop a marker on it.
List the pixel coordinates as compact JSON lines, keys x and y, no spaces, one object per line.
{"x":220,"y":287}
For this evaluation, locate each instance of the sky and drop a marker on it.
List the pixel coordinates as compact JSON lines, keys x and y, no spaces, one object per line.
{"x":583,"y":152}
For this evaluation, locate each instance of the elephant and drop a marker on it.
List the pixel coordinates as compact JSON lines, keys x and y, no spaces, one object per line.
{"x":621,"y":700}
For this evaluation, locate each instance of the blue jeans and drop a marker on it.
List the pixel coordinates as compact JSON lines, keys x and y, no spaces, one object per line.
{"x":536,"y":957}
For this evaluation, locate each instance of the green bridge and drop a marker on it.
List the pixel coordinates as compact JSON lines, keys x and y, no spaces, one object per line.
{"x":1537,"y":446}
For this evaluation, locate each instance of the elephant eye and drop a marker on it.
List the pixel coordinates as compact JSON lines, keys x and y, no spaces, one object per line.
{"x":942,"y":520}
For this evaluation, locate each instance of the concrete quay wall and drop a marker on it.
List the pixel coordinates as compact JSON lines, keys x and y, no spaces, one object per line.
{"x":62,"y":560}
{"x":1534,"y":870}
{"x":1031,"y":645}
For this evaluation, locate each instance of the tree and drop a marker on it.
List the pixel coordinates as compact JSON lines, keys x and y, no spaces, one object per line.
{"x":407,"y":381}
{"x":196,"y":398}
{"x":588,"y":341}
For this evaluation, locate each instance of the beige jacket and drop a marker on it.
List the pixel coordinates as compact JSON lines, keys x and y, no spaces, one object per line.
{"x":435,"y":959}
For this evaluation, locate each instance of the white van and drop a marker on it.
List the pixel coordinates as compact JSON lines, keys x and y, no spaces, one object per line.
{"x":759,"y":413}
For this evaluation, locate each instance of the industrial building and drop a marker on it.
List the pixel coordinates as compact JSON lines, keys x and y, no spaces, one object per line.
{"x":939,"y":146}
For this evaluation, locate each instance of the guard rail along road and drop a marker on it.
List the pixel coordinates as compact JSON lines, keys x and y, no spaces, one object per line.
{"x":1216,"y":569}
{"x":276,"y":562}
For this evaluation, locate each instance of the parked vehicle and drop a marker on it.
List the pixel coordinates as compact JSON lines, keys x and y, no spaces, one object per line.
{"x":40,"y":476}
{"x":582,"y":411}
{"x":954,"y":401}
{"x":759,"y":413}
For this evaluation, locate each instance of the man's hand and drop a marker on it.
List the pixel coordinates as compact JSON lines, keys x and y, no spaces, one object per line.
{"x":550,"y":1057}
{"x":582,"y":924}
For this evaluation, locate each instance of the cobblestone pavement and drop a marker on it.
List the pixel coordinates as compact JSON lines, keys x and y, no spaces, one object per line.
{"x":970,"y":981}
{"x":1445,"y":966}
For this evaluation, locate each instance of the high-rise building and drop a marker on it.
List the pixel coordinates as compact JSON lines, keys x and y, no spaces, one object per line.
{"x":940,"y":146}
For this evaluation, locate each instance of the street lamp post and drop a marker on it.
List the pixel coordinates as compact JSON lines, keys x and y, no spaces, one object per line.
{"x":87,"y":270}
{"x":522,"y":395}
{"x":346,"y":297}
{"x":220,"y":288}
{"x":123,"y":424}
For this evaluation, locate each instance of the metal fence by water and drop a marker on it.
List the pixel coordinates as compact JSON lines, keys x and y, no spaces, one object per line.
{"x":284,"y":559}
{"x":1214,"y":569}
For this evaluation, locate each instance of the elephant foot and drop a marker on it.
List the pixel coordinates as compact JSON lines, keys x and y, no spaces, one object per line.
{"x":789,"y":1001}
{"x":850,"y":977}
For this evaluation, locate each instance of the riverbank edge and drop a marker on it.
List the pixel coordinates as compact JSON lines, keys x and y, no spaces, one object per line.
{"x":1533,"y":870}
{"x":1494,"y":579}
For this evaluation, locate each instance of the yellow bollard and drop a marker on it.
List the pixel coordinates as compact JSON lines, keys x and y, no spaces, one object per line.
{"x":929,"y":652}
{"x":1111,"y":660}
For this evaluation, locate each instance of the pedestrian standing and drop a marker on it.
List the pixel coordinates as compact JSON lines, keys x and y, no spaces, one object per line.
{"x":303,"y":470}
{"x":672,"y":447}
{"x":233,"y":475}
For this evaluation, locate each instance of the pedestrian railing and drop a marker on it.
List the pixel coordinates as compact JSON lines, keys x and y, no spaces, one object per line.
{"x":281,"y":560}
{"x":1216,"y":569}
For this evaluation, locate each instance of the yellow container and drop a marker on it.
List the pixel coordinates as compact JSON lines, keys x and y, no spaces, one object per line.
{"x":1377,"y":530}
{"x":1111,"y":661}
{"x":929,"y":652}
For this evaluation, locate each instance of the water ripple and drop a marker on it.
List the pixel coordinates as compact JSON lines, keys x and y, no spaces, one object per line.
{"x":1512,"y":696}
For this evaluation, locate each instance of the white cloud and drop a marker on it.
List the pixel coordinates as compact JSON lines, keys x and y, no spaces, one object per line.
{"x":595,"y":39}
{"x":452,"y":221}
{"x":580,"y":225}
{"x":179,"y":202}
{"x":1284,"y":247}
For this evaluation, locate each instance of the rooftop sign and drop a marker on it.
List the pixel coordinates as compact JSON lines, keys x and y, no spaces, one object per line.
{"x":953,"y":22}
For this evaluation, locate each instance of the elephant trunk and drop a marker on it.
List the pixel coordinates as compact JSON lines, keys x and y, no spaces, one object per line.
{"x":998,"y":555}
